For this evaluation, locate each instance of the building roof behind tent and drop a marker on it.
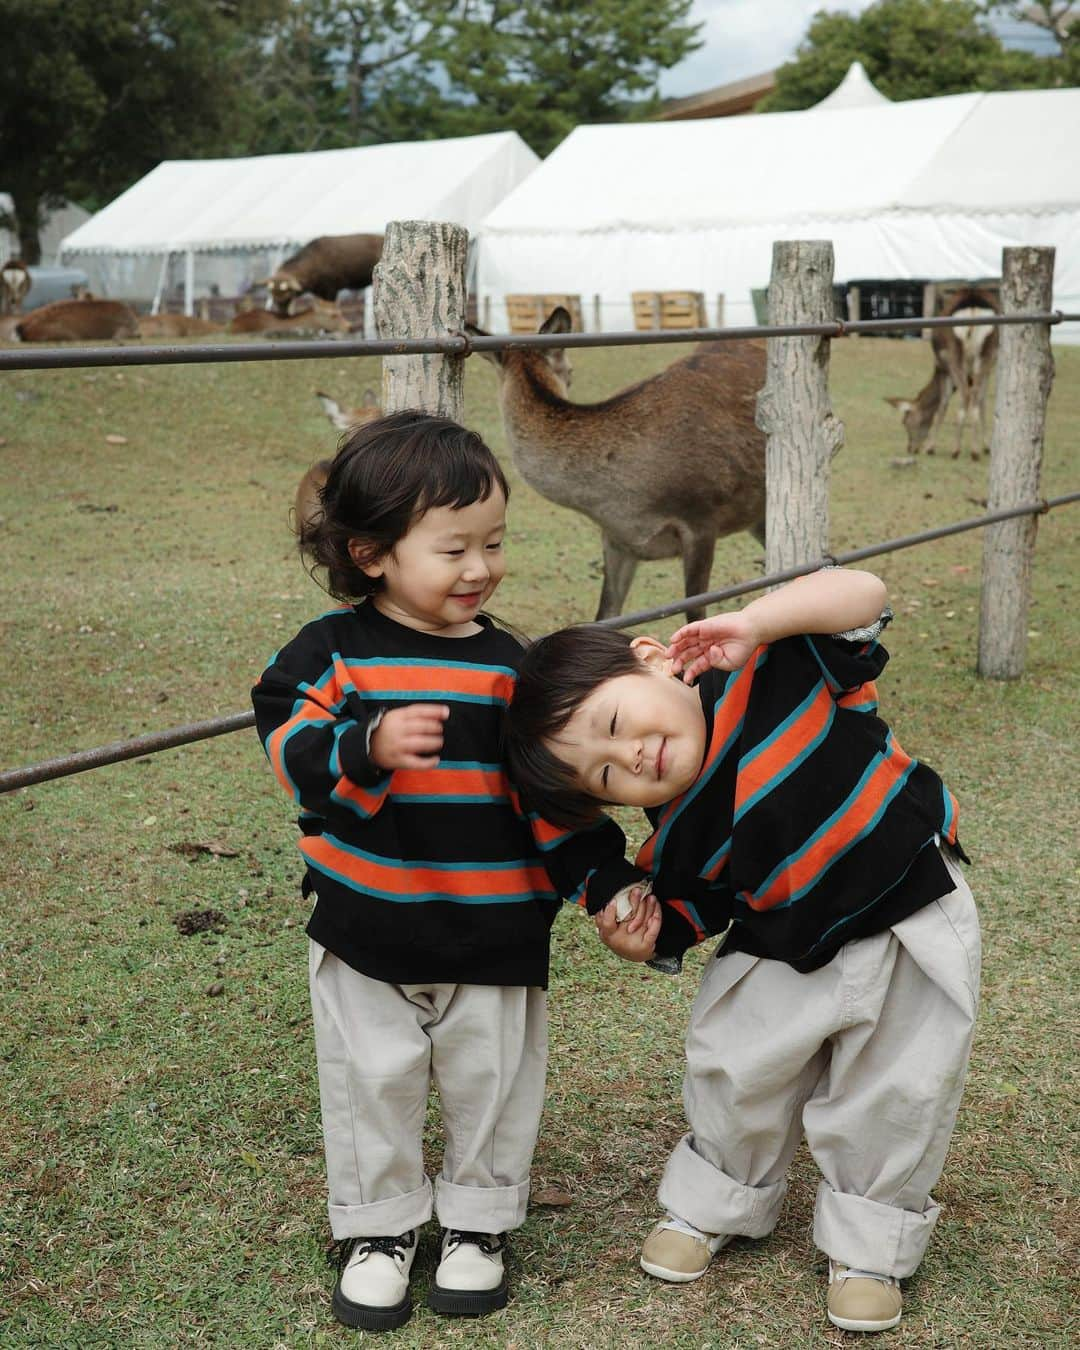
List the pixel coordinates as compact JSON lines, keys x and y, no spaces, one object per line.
{"x":794,"y":166}
{"x":855,"y":90}
{"x":285,"y":200}
{"x":724,"y":100}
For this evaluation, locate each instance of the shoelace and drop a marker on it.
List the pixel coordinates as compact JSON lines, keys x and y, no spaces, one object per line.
{"x":342,"y":1251}
{"x":849,"y":1273}
{"x":489,"y":1243}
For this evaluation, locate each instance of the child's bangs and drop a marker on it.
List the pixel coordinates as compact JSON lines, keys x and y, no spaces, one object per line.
{"x":459,"y":475}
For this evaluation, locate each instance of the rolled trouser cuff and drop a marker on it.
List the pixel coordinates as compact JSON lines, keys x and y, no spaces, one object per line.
{"x":481,"y":1209}
{"x":867,"y":1235}
{"x":383,"y":1218}
{"x":694,"y":1190}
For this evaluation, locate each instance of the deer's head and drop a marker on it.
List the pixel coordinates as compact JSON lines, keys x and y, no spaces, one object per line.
{"x":554,"y":358}
{"x":915,"y":419}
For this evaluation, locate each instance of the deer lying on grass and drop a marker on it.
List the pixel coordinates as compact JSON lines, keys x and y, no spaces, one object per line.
{"x":308,"y":505}
{"x":964,"y":360}
{"x":663,"y":467}
{"x":318,"y":317}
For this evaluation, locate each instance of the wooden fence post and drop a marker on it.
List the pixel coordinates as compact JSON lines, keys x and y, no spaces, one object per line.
{"x":419,"y":291}
{"x":794,"y":409}
{"x":1025,"y":372}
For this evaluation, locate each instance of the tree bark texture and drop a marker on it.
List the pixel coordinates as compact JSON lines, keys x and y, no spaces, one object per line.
{"x":794,"y":409}
{"x":418,"y":292}
{"x":1025,"y":372}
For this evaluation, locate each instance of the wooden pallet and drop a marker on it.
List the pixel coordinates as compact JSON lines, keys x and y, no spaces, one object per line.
{"x":668,"y":309}
{"x":527,"y":312}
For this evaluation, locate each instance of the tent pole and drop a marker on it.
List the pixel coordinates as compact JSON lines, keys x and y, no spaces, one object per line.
{"x":155,"y":307}
{"x":189,"y":282}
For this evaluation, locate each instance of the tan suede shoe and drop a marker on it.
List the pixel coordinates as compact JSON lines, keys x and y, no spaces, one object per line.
{"x":678,"y":1252}
{"x":859,"y":1300}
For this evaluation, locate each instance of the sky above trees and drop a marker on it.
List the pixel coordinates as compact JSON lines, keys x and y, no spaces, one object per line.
{"x":746,"y":37}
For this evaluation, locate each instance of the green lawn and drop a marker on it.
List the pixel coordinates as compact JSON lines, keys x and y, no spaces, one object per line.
{"x":160,"y":1157}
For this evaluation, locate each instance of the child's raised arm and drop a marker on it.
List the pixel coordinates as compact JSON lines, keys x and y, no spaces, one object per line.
{"x":833,"y":600}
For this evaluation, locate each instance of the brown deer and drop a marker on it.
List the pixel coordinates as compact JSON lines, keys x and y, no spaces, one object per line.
{"x":318,"y":317}
{"x":14,"y":284}
{"x":176,"y":326}
{"x":331,"y":263}
{"x":964,"y":360}
{"x":308,"y":505}
{"x":78,"y":321}
{"x":663,"y":467}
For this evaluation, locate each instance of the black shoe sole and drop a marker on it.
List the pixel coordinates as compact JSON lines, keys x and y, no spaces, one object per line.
{"x":367,"y":1318}
{"x":467,"y":1303}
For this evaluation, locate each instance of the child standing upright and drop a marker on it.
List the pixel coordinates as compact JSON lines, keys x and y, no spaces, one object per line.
{"x":841,"y":1003}
{"x":434,"y":893}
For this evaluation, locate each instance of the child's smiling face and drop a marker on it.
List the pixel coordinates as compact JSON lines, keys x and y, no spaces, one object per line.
{"x":439,"y":576}
{"x":636,"y":740}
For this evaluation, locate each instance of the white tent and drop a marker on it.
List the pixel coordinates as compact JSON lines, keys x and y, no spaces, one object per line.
{"x":931,"y":188}
{"x":855,"y":90}
{"x":227,"y":222}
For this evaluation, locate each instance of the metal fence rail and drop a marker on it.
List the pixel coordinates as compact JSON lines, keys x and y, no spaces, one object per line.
{"x":152,"y":742}
{"x":462,"y":344}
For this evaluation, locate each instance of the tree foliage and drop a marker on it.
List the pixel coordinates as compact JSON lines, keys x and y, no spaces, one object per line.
{"x":910,"y":49}
{"x":345,"y":72}
{"x":94,"y":93}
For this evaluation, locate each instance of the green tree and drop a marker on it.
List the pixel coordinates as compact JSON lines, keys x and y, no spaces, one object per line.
{"x":544,"y":66}
{"x":346,"y":72}
{"x":94,"y":93}
{"x":910,"y":49}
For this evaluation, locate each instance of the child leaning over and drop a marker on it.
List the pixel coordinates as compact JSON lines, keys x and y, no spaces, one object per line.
{"x":429,"y":936}
{"x":841,"y":1003}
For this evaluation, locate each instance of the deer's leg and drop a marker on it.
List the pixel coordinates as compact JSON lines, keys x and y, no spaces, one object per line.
{"x":984,"y":398}
{"x":939,"y":414}
{"x":619,"y":569}
{"x":698,"y":552}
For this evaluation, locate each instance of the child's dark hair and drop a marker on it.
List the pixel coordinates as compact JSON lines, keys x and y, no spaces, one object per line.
{"x":555,"y":676}
{"x":384,"y":475}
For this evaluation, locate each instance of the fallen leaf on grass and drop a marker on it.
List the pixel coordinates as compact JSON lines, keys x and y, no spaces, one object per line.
{"x":113,"y":439}
{"x":552,"y":1196}
{"x":194,"y":850}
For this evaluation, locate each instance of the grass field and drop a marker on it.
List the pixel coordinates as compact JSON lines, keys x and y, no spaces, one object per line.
{"x":161,"y":1176}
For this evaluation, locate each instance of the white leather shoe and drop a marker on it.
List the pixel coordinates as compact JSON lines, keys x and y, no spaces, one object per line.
{"x":471,"y":1278}
{"x":372,"y":1289}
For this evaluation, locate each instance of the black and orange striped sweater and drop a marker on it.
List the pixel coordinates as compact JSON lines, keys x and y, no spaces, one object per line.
{"x":808,"y":825}
{"x":420,"y":876}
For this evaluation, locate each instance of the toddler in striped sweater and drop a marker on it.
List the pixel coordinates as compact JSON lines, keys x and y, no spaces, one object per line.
{"x":434,"y":891}
{"x":841,"y":1002}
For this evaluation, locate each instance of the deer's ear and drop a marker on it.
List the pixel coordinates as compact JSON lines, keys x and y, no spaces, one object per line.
{"x":905,"y":405}
{"x":496,"y":358}
{"x":558,"y":321}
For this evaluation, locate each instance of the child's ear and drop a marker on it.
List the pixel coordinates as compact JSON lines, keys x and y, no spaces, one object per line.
{"x":367,"y":557}
{"x":652,"y":654}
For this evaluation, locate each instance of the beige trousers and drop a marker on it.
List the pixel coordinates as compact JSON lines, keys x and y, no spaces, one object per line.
{"x":866,"y":1055}
{"x":378,"y":1047}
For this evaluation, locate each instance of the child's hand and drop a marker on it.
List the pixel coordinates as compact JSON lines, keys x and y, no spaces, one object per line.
{"x":409,"y":737}
{"x":724,"y":642}
{"x":635,"y":938}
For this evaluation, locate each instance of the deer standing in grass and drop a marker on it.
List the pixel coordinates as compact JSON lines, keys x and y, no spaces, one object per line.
{"x":308,"y":504}
{"x":964,"y":360}
{"x":663,"y":467}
